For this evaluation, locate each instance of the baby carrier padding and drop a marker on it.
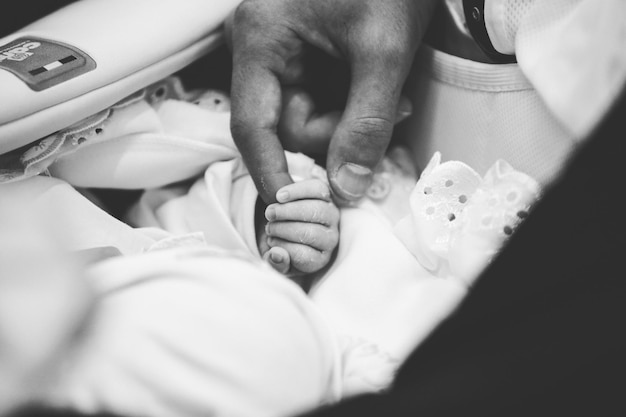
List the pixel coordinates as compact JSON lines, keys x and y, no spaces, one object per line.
{"x":122,"y":47}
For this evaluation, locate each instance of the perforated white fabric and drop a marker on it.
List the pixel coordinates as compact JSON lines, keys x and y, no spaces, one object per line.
{"x":478,"y":113}
{"x":515,"y":11}
{"x":502,"y":19}
{"x":459,"y":220}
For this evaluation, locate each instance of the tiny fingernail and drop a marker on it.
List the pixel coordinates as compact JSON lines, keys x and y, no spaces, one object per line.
{"x":270,"y":213}
{"x":405,"y":107}
{"x":276,"y":257}
{"x":353,"y":180}
{"x":400,"y":116}
{"x":267,"y":229}
{"x":282,"y":196}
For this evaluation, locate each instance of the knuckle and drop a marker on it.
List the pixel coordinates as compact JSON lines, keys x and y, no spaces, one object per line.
{"x":307,"y":236}
{"x":389,"y":46}
{"x":333,"y":212}
{"x":332,"y":238}
{"x":316,"y":214}
{"x":239,"y":127}
{"x":391,"y":49}
{"x":308,"y":260}
{"x":244,"y":127}
{"x":289,"y":132}
{"x":366,"y":128}
{"x":323,"y":189}
{"x":325,"y":213}
{"x":248,"y":10}
{"x":281,"y":211}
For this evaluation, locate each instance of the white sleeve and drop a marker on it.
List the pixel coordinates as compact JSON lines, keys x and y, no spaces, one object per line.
{"x":197,"y":331}
{"x":572,"y":51}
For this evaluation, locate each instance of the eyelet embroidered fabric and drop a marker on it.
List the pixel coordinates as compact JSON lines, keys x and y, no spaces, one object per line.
{"x":460,"y":220}
{"x":454,"y":222}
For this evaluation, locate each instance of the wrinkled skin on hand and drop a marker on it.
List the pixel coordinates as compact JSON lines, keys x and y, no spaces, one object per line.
{"x":270,"y":41}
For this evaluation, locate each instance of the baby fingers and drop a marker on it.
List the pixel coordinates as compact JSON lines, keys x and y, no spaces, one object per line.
{"x":303,"y":258}
{"x":308,"y":211}
{"x":304,"y":190}
{"x":278,"y":258}
{"x":315,"y":235}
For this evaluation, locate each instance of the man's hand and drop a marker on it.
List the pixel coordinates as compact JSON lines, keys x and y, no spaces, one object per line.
{"x":270,"y":39}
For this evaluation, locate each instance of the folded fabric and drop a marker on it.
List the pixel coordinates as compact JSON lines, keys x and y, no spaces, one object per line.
{"x":159,"y":135}
{"x":197,"y":330}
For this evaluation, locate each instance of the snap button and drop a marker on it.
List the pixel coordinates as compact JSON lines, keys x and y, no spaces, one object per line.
{"x":476,"y":14}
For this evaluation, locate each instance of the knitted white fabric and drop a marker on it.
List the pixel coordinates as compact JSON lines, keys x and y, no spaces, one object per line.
{"x":478,"y":113}
{"x":502,"y":19}
{"x":571,"y":51}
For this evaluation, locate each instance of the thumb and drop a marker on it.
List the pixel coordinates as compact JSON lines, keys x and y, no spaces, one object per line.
{"x":363,"y":134}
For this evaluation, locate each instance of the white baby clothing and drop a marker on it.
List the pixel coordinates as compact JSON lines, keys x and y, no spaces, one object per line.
{"x":183,"y":328}
{"x":379,"y":299}
{"x":197,"y":330}
{"x":178,"y":327}
{"x":379,"y":292}
{"x":123,"y":146}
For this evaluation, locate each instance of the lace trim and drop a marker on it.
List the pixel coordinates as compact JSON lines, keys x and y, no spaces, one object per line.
{"x":459,"y":220}
{"x":37,"y":157}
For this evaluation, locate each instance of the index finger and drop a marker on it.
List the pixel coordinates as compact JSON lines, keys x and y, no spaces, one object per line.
{"x":255,"y":109}
{"x":304,"y":190}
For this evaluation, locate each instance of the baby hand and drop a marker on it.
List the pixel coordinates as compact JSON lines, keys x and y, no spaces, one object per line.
{"x":303,"y":228}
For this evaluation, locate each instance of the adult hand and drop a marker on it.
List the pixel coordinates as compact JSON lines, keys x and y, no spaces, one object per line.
{"x":269,"y":40}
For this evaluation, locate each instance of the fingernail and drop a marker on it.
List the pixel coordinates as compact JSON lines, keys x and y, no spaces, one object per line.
{"x":276,"y":257}
{"x":267,"y":229}
{"x":353,"y":180}
{"x":400,"y":116}
{"x":270,"y":213}
{"x":282,"y":196}
{"x":405,"y":109}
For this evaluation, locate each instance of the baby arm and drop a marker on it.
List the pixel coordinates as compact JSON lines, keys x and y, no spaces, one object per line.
{"x":302,"y":228}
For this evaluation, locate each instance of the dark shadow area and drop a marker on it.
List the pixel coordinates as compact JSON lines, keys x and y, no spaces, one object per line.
{"x":22,"y":13}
